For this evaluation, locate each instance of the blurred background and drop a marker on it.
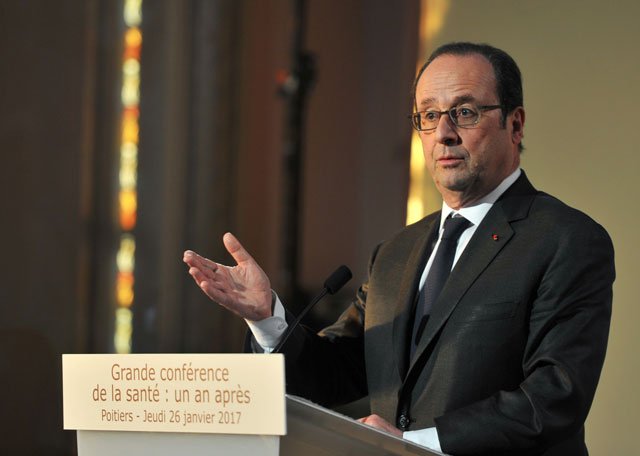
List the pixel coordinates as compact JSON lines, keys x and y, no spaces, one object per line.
{"x":133,"y":130}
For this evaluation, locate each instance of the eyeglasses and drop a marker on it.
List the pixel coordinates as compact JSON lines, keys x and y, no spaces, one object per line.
{"x":465,"y":116}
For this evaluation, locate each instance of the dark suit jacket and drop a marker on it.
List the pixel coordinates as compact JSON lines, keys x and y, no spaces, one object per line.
{"x":511,"y":355}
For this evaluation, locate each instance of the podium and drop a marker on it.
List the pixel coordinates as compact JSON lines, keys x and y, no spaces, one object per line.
{"x":205,"y":404}
{"x":311,"y":431}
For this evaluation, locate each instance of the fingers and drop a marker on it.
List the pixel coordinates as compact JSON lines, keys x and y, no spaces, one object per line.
{"x":200,"y":268}
{"x":212,"y":278}
{"x":193,"y":259}
{"x":236,"y":249}
{"x":206,"y":275}
{"x":378,"y":422}
{"x":233,"y":246}
{"x":199,"y":276}
{"x":203,"y":264}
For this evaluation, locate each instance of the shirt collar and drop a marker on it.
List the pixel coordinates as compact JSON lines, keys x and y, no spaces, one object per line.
{"x":476,"y":212}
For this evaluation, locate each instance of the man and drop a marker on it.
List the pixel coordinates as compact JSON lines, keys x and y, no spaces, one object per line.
{"x":505,"y":357}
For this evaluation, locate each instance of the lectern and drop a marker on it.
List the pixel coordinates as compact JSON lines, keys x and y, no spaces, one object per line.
{"x":197,"y":404}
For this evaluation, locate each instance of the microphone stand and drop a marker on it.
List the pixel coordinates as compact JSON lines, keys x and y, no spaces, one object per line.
{"x":333,"y":283}
{"x":296,"y":322}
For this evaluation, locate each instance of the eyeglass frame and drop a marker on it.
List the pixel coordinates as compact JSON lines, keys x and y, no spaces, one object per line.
{"x":450,"y":111}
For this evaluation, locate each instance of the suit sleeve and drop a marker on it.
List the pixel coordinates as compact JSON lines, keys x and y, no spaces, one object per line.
{"x":565,"y":350}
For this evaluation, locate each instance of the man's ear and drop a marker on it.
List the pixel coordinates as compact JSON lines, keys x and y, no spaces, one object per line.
{"x":516,"y":122}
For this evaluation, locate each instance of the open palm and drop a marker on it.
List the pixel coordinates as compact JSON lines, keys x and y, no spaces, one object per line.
{"x":244,"y":289}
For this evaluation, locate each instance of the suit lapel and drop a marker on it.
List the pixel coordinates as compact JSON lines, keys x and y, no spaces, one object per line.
{"x":407,"y":289}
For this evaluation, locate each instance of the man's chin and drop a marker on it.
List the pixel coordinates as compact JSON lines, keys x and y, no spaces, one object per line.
{"x":455,"y":182}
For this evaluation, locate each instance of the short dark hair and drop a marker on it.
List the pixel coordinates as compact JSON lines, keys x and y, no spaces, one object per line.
{"x":505,"y":69}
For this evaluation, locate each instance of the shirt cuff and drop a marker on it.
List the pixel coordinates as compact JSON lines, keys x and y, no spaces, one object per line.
{"x":269,"y":330}
{"x":425,"y":437}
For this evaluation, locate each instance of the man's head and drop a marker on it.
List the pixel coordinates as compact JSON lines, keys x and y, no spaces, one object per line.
{"x":469,"y":151}
{"x":505,"y":70}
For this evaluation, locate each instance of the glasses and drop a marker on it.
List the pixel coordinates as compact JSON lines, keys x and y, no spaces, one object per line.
{"x":464,"y":116}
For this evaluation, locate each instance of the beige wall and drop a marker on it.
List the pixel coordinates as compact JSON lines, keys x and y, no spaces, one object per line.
{"x":580,"y":64}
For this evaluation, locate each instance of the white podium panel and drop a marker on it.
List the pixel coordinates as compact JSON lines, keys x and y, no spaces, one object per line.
{"x":109,"y":443}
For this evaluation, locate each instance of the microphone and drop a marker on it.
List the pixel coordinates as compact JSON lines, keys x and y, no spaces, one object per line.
{"x":332,"y":285}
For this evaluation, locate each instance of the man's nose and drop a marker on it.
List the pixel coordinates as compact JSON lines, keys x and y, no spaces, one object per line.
{"x":446,"y":132}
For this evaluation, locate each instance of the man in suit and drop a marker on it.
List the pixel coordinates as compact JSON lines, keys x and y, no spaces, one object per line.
{"x":505,"y":357}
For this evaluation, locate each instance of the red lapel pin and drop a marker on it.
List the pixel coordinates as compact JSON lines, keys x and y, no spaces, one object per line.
{"x":495,"y":237}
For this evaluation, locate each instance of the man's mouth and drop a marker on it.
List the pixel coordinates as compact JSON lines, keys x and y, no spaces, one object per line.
{"x":450,"y":160}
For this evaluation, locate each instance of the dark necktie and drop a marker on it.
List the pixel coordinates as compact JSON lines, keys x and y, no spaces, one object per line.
{"x":438,"y":274}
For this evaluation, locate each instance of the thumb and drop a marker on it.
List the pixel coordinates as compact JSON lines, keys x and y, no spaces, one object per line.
{"x":236,"y":249}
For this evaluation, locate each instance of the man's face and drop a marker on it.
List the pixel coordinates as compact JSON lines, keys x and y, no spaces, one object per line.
{"x":467,"y":163}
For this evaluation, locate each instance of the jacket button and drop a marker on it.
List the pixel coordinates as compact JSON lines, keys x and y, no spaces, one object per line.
{"x":403,"y":422}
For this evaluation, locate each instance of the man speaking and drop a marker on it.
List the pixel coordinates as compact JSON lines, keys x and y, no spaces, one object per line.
{"x":482,"y":328}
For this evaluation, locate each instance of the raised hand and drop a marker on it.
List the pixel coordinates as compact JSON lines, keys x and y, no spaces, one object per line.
{"x":244,"y":289}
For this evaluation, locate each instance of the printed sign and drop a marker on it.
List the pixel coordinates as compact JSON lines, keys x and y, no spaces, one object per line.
{"x":221,"y":393}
